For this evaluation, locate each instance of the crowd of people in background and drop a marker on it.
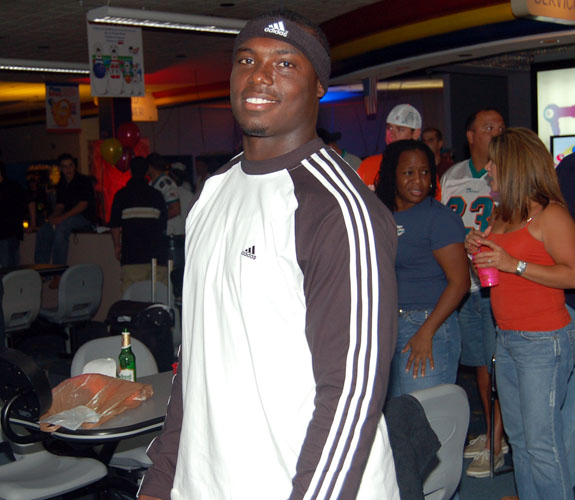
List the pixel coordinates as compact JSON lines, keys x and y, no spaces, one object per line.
{"x":508,"y":197}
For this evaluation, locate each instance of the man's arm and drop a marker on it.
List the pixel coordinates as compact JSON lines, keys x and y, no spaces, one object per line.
{"x":57,"y":212}
{"x":163,"y":451}
{"x":169,"y":191}
{"x":32,"y":216}
{"x":351,"y":310}
{"x":116,"y":233}
{"x":174,"y":209}
{"x":78,"y":208}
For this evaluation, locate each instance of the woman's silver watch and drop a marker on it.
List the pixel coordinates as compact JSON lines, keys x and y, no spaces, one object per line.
{"x":521,"y":266}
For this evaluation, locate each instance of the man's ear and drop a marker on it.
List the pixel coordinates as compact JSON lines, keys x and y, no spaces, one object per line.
{"x":416,"y":134}
{"x":320,"y":90}
{"x":469,"y":135}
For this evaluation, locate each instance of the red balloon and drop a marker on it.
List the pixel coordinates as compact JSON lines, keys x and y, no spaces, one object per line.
{"x":111,"y":150}
{"x":129,"y":134}
{"x":123,"y":164}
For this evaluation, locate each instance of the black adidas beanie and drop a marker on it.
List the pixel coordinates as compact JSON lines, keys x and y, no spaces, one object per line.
{"x":290,"y":32}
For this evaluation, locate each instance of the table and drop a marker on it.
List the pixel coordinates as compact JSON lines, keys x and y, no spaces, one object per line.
{"x":147,"y":417}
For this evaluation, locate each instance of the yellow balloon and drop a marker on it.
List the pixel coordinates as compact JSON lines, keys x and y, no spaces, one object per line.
{"x":111,"y":150}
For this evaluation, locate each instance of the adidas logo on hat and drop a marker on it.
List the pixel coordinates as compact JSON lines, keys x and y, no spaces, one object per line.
{"x":277,"y":29}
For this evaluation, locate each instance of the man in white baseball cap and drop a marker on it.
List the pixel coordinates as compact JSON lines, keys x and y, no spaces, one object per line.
{"x":403,"y":122}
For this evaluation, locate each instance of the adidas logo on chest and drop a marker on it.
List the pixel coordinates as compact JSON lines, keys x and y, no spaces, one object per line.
{"x":250,"y":252}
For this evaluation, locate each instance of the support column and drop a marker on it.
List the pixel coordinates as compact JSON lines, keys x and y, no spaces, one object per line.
{"x":112,"y":112}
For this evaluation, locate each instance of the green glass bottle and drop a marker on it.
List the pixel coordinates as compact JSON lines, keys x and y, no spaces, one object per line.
{"x":126,"y":359}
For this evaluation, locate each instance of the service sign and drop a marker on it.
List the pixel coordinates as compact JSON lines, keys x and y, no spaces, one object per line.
{"x":558,"y":11}
{"x":62,"y":107}
{"x":144,"y":109}
{"x":116,"y":61}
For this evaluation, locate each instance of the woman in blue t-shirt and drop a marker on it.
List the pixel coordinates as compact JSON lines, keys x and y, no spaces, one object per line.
{"x":431,"y":268}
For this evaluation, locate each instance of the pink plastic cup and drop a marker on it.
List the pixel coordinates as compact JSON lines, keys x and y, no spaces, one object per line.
{"x":488,"y":276}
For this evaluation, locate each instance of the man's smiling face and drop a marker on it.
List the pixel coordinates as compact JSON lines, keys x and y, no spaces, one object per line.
{"x":274,"y":90}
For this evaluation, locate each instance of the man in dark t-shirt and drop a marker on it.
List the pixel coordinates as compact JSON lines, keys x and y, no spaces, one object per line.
{"x":138,"y":224}
{"x":12,"y":208}
{"x":75,"y":210}
{"x":566,"y":175}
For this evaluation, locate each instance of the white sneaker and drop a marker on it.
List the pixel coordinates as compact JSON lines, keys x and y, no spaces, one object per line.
{"x":477,"y":445}
{"x":479,"y":467}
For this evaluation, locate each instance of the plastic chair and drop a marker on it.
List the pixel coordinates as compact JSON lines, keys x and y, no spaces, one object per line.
{"x":447,"y":410}
{"x":41,"y":474}
{"x":109,"y":347}
{"x":131,"y":452}
{"x":35,"y":473}
{"x":79,"y":296}
{"x":21,"y":300}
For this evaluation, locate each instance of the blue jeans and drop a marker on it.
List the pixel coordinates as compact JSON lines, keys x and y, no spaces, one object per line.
{"x":446,"y":350}
{"x":568,"y":412}
{"x":532,"y":371}
{"x":9,"y":252}
{"x":53,"y":241}
{"x":477,"y":329}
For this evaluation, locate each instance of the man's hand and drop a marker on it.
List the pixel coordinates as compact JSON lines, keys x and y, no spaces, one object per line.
{"x":56,"y":220}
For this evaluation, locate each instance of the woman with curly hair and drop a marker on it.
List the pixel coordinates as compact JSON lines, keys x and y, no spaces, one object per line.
{"x":531,"y":241}
{"x":431,"y":268}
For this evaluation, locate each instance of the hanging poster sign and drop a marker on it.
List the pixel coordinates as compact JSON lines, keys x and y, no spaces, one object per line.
{"x":116,"y":61}
{"x":62,"y":107}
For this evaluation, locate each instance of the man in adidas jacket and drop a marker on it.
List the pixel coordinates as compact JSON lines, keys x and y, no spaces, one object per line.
{"x":289,"y":311}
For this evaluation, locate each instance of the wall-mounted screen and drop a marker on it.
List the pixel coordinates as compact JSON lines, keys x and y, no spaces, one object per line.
{"x":554,"y":88}
{"x":562,"y":146}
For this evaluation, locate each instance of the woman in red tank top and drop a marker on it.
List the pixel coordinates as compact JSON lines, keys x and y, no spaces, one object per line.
{"x":532,"y":243}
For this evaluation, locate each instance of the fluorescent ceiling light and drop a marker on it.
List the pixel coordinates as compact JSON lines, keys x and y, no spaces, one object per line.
{"x":164,"y":20}
{"x":428,"y":83}
{"x":43,"y":66}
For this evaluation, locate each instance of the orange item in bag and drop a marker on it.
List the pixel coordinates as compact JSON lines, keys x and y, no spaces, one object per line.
{"x":107,"y":396}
